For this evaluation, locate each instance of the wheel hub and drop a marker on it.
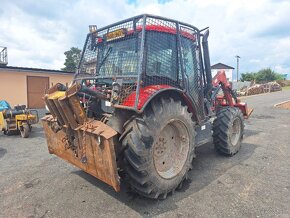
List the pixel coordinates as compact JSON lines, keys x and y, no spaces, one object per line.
{"x":235,"y":132}
{"x":170,"y":149}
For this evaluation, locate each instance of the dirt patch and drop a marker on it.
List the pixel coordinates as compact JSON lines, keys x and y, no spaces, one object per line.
{"x":2,"y":152}
{"x":284,"y":105}
{"x":32,"y":183}
{"x":262,"y":117}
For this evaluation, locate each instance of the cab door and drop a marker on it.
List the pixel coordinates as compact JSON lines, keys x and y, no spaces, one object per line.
{"x":190,"y":58}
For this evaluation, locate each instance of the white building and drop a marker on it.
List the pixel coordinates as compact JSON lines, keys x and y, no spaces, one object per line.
{"x":219,"y":66}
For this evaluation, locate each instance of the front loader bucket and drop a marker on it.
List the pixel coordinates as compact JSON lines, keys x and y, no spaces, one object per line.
{"x":85,"y":143}
{"x":244,"y":108}
{"x":249,"y":112}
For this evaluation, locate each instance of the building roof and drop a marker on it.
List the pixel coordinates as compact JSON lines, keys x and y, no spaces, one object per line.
{"x":220,"y":66}
{"x":36,"y":70}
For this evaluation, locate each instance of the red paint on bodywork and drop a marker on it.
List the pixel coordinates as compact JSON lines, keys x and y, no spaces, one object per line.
{"x":144,"y":95}
{"x":220,"y":78}
{"x":227,"y":98}
{"x":166,"y":29}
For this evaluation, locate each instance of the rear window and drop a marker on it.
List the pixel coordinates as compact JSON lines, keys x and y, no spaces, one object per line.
{"x":161,"y":55}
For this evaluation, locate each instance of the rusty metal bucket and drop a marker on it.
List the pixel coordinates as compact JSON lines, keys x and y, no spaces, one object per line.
{"x":85,"y":143}
{"x":249,"y":112}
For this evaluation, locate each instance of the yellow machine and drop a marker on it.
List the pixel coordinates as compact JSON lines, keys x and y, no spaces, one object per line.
{"x":17,"y":120}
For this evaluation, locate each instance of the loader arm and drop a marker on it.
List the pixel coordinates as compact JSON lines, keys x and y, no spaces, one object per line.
{"x":229,"y":98}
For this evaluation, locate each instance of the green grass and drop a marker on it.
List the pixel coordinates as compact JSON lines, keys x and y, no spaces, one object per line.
{"x":286,"y":88}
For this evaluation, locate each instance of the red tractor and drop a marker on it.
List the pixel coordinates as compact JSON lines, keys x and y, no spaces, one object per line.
{"x":142,"y":100}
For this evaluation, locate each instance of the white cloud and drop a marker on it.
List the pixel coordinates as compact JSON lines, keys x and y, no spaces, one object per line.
{"x":255,"y":30}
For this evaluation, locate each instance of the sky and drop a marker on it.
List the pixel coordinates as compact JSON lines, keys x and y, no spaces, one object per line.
{"x":37,"y":33}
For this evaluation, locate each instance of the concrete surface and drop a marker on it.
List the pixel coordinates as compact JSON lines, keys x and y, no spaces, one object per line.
{"x":254,"y":183}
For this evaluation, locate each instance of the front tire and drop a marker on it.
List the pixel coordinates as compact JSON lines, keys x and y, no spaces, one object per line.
{"x":228,"y":130}
{"x":159,"y":148}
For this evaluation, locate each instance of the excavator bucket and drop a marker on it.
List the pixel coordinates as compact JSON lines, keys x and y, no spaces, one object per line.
{"x":72,"y":136}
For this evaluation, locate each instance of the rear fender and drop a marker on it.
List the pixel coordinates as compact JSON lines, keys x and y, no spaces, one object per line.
{"x":148,"y":93}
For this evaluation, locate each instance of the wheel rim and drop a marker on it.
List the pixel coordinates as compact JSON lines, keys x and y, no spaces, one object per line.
{"x":170,"y":149}
{"x":22,"y":131}
{"x":235,"y":132}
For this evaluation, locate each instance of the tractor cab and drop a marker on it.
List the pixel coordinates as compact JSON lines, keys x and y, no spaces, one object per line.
{"x":143,"y":55}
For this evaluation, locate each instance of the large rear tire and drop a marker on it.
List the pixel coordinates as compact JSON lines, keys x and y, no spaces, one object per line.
{"x":159,"y":148}
{"x":228,"y":130}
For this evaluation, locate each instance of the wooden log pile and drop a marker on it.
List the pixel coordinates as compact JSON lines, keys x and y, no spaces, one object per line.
{"x":256,"y":89}
{"x":284,"y":82}
{"x":274,"y":86}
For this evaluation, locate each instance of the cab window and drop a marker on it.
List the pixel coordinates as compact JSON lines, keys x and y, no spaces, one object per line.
{"x":161,"y":55}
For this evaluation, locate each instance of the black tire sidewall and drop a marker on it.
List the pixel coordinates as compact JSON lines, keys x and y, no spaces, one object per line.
{"x":172,"y":182}
{"x":154,"y":121}
{"x":222,"y":129}
{"x":237,"y":146}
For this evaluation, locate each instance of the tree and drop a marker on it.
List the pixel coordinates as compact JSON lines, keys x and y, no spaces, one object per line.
{"x":248,"y":77}
{"x":267,"y":75}
{"x":72,"y":59}
{"x":263,"y":75}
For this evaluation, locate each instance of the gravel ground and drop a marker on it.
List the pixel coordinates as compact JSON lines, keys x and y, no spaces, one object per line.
{"x":253,"y":183}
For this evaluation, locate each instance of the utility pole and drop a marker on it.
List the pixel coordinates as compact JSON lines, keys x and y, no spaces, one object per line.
{"x":3,"y":56}
{"x":238,"y":57}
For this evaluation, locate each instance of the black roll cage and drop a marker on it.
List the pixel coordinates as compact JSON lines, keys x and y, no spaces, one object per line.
{"x":204,"y":62}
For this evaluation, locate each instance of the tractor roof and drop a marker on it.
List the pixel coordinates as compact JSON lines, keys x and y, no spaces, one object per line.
{"x":148,"y":16}
{"x":153,"y":23}
{"x":163,"y":29}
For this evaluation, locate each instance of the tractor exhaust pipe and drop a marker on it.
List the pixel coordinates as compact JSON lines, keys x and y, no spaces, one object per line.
{"x":207,"y":64}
